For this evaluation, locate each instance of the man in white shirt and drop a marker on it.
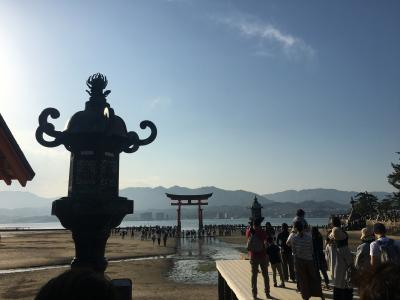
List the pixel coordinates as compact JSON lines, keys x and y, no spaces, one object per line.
{"x":382,"y":240}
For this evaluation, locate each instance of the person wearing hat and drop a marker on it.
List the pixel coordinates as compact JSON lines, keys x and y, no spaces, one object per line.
{"x":363,"y":261}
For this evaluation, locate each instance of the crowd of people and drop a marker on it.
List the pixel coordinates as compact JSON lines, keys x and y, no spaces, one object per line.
{"x":295,"y":253}
{"x":156,"y":233}
{"x":298,"y":254}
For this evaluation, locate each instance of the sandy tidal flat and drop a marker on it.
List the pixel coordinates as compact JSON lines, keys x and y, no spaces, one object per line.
{"x":42,"y":248}
{"x":150,"y":277}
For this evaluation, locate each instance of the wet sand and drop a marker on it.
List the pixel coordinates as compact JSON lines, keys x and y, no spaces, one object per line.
{"x":150,"y":277}
{"x":41,"y":248}
{"x":149,"y":280}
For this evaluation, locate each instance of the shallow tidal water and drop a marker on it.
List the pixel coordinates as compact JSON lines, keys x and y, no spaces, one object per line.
{"x":195,"y":259}
{"x":193,"y":262}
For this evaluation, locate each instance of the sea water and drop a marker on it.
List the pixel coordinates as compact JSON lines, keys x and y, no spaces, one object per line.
{"x":187,"y":224}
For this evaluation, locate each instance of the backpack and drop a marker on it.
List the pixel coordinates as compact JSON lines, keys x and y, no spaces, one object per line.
{"x":389,"y":252}
{"x":255,"y":244}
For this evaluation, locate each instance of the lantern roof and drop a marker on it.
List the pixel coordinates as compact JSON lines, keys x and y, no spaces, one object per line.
{"x":97,"y":126}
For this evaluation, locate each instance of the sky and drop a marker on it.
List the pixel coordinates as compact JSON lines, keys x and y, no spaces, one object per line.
{"x":257,"y":95}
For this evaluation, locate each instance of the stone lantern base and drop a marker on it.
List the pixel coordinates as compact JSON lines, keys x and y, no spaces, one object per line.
{"x":91,"y":221}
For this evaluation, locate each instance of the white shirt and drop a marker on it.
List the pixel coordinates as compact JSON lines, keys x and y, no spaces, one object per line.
{"x":374,"y":248}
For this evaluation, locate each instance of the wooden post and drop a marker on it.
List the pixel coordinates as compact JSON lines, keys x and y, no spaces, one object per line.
{"x":220,"y":287}
{"x":227,"y":291}
{"x":179,"y":218}
{"x":200,"y":217}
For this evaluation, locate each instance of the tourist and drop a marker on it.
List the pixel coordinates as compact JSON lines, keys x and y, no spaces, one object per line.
{"x":159,"y":237}
{"x":309,"y":283}
{"x":300,"y":214}
{"x":165,"y":237}
{"x":258,"y":256}
{"x":270,"y":230}
{"x":319,"y":256}
{"x":286,"y":252}
{"x":384,"y":249}
{"x":342,"y":260}
{"x":78,"y":284}
{"x":330,"y":256}
{"x":363,"y":260}
{"x":153,"y":238}
{"x":273,"y":252}
{"x":382,"y":283}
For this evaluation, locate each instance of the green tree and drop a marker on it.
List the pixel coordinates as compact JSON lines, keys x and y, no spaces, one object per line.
{"x":384,"y":207}
{"x":366,"y":204}
{"x":394,"y":180}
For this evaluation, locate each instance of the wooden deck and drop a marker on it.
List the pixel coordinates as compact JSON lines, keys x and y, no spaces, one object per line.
{"x":234,"y":283}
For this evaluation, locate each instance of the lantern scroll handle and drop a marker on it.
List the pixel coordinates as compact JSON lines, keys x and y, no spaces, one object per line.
{"x":48,"y":128}
{"x":134,"y":142}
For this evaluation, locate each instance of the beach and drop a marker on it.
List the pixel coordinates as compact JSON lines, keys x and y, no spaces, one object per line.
{"x":52,"y":248}
{"x":28,"y":259}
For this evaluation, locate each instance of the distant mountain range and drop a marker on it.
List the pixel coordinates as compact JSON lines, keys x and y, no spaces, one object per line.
{"x":27,"y":207}
{"x":14,"y":200}
{"x":151,"y":198}
{"x":318,"y":195}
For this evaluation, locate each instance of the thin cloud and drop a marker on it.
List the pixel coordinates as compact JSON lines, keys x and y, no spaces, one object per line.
{"x":159,"y":101}
{"x":269,"y":37}
{"x":149,"y":181}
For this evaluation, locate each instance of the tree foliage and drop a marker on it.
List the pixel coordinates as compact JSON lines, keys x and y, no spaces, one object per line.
{"x":394,"y":180}
{"x":366,"y":204}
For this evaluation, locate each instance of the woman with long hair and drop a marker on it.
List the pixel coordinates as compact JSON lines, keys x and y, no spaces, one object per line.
{"x":319,"y":256}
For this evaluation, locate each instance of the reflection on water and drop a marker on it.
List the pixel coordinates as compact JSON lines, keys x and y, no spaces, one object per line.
{"x":195,"y":259}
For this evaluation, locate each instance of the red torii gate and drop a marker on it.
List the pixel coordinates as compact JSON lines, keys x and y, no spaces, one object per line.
{"x":179,"y":200}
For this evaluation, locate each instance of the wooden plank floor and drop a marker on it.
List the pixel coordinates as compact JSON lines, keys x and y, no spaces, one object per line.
{"x":237,"y":274}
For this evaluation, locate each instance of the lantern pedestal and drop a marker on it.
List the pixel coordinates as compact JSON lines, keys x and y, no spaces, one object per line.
{"x":91,"y":222}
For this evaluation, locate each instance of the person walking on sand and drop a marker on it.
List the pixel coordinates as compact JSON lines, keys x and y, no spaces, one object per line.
{"x":257,"y":237}
{"x":309,"y":283}
{"x":286,"y":252}
{"x":274,"y":255}
{"x":165,"y":237}
{"x":159,"y":237}
{"x":153,"y":238}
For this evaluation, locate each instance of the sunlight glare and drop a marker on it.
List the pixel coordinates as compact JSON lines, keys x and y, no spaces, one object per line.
{"x":9,"y":71}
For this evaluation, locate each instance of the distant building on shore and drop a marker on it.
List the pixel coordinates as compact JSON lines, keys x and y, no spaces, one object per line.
{"x":160,"y":216}
{"x":147,"y":216}
{"x":221,"y":215}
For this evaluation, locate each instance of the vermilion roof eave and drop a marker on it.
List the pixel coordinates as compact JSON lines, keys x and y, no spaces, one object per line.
{"x":24,"y":171}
